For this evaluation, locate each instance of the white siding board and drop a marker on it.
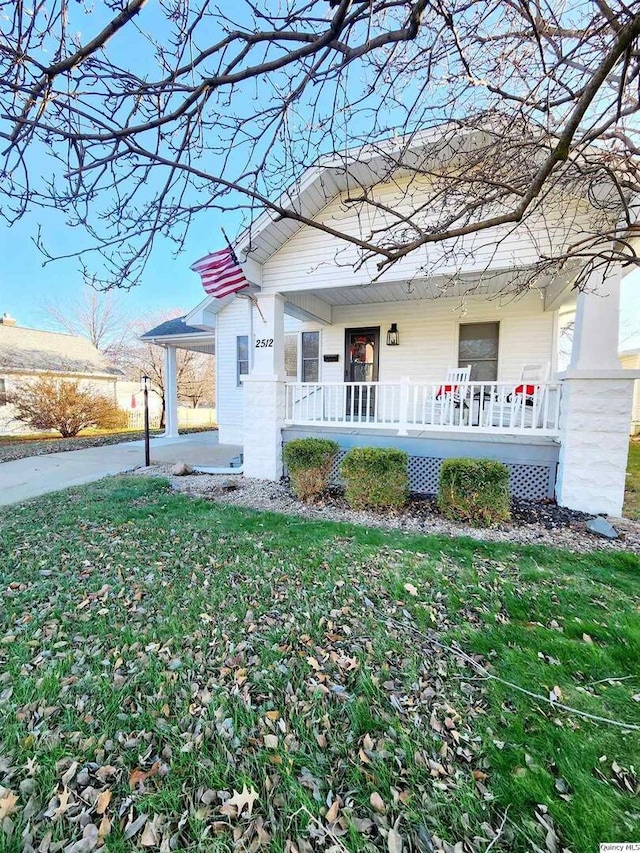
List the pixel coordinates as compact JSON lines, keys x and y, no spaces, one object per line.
{"x":232,"y":321}
{"x":311,"y":258}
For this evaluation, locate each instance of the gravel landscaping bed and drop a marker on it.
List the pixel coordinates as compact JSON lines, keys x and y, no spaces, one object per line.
{"x":533,"y":523}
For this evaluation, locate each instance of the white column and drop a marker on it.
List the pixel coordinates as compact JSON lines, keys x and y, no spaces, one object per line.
{"x":595,"y":410}
{"x":595,"y":335}
{"x":170,"y":393}
{"x":264,"y":391}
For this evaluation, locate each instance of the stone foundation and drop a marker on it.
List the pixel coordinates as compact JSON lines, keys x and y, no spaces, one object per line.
{"x":594,"y":421}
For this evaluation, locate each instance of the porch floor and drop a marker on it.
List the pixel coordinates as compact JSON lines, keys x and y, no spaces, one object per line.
{"x":428,"y":435}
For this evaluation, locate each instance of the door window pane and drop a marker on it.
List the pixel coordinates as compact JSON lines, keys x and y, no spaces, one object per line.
{"x":362,"y":356}
{"x":242,"y":356}
{"x":310,"y":356}
{"x":478,"y":347}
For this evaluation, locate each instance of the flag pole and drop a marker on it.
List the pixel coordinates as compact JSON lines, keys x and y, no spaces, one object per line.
{"x":248,"y":296}
{"x":228,"y":241}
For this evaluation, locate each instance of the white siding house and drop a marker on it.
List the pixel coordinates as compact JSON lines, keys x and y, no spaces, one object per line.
{"x":320,"y":344}
{"x":26,"y":354}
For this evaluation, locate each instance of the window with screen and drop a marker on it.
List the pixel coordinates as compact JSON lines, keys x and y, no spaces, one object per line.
{"x":3,"y":392}
{"x":478,"y":346}
{"x":242,"y":356}
{"x":310,"y":356}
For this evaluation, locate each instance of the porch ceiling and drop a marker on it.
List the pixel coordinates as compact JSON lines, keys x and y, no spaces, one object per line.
{"x":491,"y":286}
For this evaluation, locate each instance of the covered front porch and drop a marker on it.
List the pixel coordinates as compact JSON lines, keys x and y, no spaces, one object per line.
{"x":579,"y":417}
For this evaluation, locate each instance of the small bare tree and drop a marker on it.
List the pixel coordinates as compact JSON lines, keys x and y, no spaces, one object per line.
{"x":197,"y":382}
{"x":495,"y":110}
{"x":65,"y":405}
{"x":98,"y":317}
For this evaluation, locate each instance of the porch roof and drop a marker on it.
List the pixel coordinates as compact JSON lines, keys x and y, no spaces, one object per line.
{"x":177,"y":333}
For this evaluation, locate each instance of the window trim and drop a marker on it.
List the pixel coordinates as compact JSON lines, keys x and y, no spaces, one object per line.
{"x":243,"y":360}
{"x":498,"y":358}
{"x":302,"y":359}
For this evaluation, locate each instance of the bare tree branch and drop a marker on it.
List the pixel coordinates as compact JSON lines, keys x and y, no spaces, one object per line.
{"x":480,"y":117}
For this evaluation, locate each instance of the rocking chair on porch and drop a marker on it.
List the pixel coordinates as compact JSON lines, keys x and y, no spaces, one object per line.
{"x":444,"y":405}
{"x":524,"y":406}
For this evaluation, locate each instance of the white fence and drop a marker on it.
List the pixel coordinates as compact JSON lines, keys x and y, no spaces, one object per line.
{"x":489,"y":407}
{"x":186,"y":417}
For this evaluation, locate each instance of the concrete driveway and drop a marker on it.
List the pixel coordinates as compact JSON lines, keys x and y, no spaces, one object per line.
{"x":37,"y":475}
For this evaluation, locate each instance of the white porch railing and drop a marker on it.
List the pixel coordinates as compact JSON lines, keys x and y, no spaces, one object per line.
{"x":477,"y":407}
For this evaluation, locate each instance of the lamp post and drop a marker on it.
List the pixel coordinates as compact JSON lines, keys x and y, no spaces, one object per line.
{"x":147,"y":455}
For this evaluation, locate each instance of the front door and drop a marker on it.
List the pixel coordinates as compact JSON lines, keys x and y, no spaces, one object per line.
{"x":361,"y":365}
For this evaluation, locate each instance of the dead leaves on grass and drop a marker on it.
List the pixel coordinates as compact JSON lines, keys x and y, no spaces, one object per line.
{"x":307,"y":689}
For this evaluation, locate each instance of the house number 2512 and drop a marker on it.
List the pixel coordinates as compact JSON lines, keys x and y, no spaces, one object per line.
{"x":264,"y":342}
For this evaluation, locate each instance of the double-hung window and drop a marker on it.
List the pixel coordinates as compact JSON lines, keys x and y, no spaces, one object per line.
{"x":242,"y":357}
{"x":478,"y":346}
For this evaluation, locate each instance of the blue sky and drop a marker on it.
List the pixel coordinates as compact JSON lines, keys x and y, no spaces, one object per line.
{"x":25,"y":285}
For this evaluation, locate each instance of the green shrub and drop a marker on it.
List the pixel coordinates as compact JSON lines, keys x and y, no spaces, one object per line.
{"x":475,"y":490}
{"x":309,"y":462}
{"x":376,"y":476}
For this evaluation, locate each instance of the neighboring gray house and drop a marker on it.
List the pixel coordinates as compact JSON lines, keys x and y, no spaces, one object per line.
{"x":28,"y":353}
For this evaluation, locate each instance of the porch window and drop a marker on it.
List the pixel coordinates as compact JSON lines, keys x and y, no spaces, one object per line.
{"x":310,"y":356}
{"x":242,"y":356}
{"x":478,"y":346}
{"x":302,"y":356}
{"x":291,"y":357}
{"x":3,"y":392}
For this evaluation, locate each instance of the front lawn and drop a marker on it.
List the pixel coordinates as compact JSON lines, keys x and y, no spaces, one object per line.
{"x":632,"y":492}
{"x":181,"y":675}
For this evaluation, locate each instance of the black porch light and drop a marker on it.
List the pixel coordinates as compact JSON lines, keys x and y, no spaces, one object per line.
{"x":393,"y":336}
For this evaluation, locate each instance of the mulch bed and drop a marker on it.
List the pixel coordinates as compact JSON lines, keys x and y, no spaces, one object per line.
{"x":532,"y":522}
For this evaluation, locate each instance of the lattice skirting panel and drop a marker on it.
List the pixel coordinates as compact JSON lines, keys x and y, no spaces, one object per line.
{"x":531,"y":482}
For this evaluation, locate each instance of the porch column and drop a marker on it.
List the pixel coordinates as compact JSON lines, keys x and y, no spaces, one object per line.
{"x":170,"y":393}
{"x":595,"y":410}
{"x":264,"y":391}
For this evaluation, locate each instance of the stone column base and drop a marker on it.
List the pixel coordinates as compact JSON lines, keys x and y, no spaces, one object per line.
{"x":263,"y":421}
{"x":594,"y":421}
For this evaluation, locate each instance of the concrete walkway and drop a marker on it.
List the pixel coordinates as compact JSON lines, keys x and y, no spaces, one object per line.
{"x":37,"y":475}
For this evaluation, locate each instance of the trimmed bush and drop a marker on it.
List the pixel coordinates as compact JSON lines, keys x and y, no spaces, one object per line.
{"x":309,"y":462}
{"x":376,"y":476}
{"x":474,"y":490}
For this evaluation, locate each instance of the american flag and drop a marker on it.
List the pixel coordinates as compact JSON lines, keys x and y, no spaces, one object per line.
{"x":221,"y":273}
